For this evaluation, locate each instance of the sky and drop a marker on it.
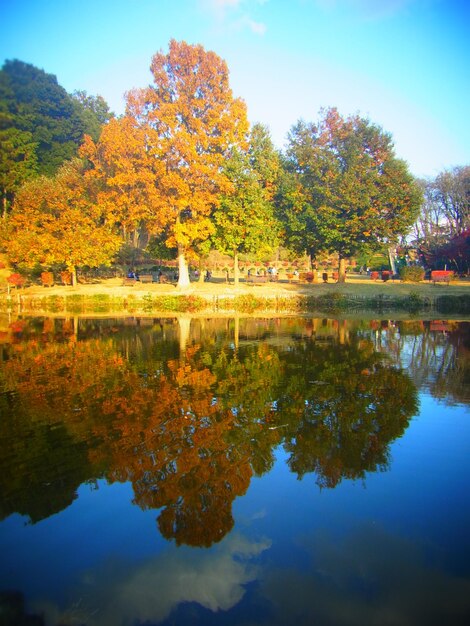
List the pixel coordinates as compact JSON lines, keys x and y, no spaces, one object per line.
{"x":403,"y":64}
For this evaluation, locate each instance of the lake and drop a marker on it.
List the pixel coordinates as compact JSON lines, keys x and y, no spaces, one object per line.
{"x":234,"y":471}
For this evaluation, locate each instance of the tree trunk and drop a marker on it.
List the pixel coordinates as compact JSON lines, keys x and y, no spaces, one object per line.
{"x":391,"y":258}
{"x":201,"y":271}
{"x":183,"y":271}
{"x":73,"y":270}
{"x":236,"y":271}
{"x":185,"y":330}
{"x":5,"y":204}
{"x":135,"y":238}
{"x":236,"y":333}
{"x":342,"y":270}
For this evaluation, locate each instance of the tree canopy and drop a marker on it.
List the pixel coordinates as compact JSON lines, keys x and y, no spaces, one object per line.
{"x":352,"y":191}
{"x":191,"y":121}
{"x":245,"y":221}
{"x":180,"y":172}
{"x":56,"y":221}
{"x":41,"y":125}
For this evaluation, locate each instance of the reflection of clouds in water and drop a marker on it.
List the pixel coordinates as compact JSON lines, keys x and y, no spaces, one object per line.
{"x":368,"y":578}
{"x":124,"y":593}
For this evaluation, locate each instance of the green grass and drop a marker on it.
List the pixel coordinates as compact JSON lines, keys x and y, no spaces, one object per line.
{"x":320,"y":298}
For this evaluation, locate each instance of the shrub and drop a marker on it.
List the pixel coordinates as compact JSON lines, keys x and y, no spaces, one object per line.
{"x":248,"y":303}
{"x":332,"y":302}
{"x":411,"y":274}
{"x":415,"y":302}
{"x":74,"y":303}
{"x":53,"y":303}
{"x":47,"y":279}
{"x":17,"y":280}
{"x":183,"y":304}
{"x":100,"y":303}
{"x":453,"y":304}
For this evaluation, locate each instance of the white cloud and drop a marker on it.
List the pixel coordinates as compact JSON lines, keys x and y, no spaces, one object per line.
{"x":234,"y":13}
{"x":219,"y":8}
{"x":258,"y":28}
{"x":121,"y":594}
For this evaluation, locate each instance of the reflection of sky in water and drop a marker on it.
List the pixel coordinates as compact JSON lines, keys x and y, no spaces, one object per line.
{"x":393,"y":549}
{"x":121,"y":592}
{"x":366,"y":577}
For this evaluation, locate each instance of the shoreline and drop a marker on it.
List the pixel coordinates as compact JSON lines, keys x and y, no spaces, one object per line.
{"x":359,"y":296}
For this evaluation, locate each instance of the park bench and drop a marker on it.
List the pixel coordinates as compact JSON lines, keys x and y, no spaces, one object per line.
{"x":66,"y":277}
{"x":128,"y":282}
{"x":306,"y":277}
{"x":441,"y":276}
{"x":334,"y":276}
{"x":47,"y":279}
{"x":146,"y":278}
{"x":257,"y":279}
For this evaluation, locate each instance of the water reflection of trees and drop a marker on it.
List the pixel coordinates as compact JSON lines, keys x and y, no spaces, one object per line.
{"x":343,"y":407}
{"x":436,"y":354}
{"x":189,"y":426}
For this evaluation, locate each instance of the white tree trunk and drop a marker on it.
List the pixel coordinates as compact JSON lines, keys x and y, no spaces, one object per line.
{"x":183,"y":271}
{"x":236,"y":271}
{"x":185,"y":330}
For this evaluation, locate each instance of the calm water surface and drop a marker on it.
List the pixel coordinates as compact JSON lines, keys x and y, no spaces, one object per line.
{"x":234,"y":471}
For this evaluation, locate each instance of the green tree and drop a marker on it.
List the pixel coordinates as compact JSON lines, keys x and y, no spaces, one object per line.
{"x":244,"y":221}
{"x":265,"y":160}
{"x":94,"y":111}
{"x":54,"y":120}
{"x":342,"y":426}
{"x":18,"y":161}
{"x":355,"y":194}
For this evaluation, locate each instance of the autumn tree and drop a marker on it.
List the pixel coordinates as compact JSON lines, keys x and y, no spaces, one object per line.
{"x":355,"y":194}
{"x":56,"y":221}
{"x":124,"y":174}
{"x":190,"y":120}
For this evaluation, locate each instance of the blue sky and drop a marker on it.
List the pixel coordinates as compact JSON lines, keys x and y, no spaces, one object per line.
{"x":402,"y":63}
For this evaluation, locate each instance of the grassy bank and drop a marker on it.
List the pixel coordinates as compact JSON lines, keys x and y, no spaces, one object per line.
{"x":353,"y":297}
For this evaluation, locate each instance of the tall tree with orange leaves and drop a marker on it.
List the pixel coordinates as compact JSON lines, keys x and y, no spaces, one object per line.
{"x":124,"y":175}
{"x":190,"y":120}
